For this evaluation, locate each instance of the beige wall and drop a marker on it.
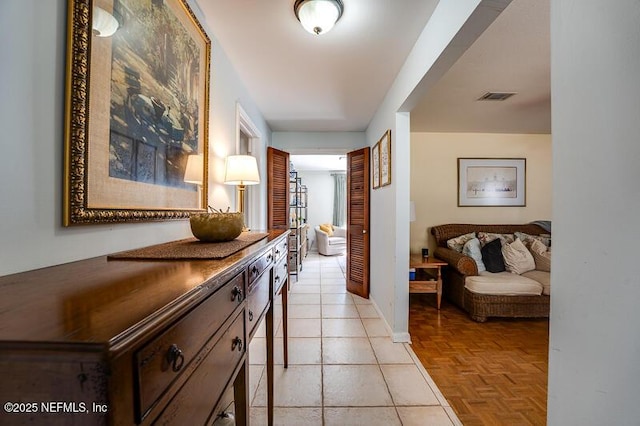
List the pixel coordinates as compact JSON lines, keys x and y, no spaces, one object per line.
{"x":434,"y":179}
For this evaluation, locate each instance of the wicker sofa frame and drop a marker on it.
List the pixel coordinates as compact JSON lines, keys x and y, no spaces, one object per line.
{"x":482,"y":306}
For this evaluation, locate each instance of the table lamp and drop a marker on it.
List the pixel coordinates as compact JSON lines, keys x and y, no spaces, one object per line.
{"x":194,"y":171}
{"x":241,"y":170}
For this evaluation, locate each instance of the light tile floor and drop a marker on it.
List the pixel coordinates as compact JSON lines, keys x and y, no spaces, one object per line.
{"x":344,"y":368}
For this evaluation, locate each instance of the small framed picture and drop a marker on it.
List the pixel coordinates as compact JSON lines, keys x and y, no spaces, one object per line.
{"x":385,"y":159}
{"x":375,"y":163}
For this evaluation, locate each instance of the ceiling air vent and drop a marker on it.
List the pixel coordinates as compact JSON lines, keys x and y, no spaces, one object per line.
{"x":496,"y":96}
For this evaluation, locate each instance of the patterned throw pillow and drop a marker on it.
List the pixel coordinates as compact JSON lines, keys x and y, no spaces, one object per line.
{"x":458,"y":243}
{"x":486,"y":237}
{"x":492,"y":256}
{"x":527,"y":239}
{"x":472,"y":249}
{"x":517,"y":258}
{"x":541,"y":256}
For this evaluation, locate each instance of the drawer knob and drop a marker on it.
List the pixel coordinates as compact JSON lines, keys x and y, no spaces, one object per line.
{"x":254,"y":270}
{"x":277,"y":278}
{"x":236,"y":294}
{"x":250,"y":315}
{"x":175,"y":358}
{"x":236,"y":344}
{"x":269,"y":258}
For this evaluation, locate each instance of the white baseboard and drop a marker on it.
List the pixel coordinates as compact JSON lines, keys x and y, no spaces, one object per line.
{"x":403,"y":337}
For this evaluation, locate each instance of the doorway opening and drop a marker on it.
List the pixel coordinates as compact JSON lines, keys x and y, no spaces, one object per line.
{"x":323,"y":179}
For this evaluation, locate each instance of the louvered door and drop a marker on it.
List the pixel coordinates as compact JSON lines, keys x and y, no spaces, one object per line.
{"x":277,"y":189}
{"x":358,"y":222}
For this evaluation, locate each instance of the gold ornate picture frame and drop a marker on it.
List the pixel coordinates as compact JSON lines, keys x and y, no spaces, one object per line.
{"x":137,"y":105}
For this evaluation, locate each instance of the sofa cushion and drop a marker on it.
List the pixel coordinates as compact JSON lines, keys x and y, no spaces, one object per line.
{"x":542,"y":277}
{"x":503,"y":283}
{"x":486,"y":237}
{"x":517,"y":258}
{"x":541,"y":256}
{"x":334,"y":241}
{"x":458,"y":243}
{"x":528,"y":239}
{"x":492,"y":256}
{"x":472,"y":249}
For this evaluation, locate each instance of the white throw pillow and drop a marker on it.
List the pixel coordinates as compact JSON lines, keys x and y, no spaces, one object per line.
{"x":472,"y":249}
{"x":517,"y":258}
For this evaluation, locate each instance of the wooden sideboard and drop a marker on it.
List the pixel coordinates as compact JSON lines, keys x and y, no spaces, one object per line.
{"x":103,"y":341}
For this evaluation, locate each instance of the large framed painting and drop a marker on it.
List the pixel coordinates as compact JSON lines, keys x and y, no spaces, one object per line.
{"x":137,"y":106}
{"x":491,"y":182}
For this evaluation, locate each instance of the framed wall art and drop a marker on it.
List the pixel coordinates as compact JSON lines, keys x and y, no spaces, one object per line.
{"x":491,"y":182}
{"x":375,"y":163}
{"x":385,"y":159}
{"x":137,"y":105}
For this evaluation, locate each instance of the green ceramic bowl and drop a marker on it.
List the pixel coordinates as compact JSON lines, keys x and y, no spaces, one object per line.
{"x":216,"y":227}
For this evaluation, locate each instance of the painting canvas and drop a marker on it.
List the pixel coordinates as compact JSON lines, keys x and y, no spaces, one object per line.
{"x":375,"y":162}
{"x":385,"y":159}
{"x":145,"y":110}
{"x":491,"y":181}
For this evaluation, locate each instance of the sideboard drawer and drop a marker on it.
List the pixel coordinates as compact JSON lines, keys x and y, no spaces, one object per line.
{"x":257,"y":267}
{"x":281,"y":249}
{"x":258,"y":300}
{"x":280,"y":275}
{"x":163,"y":359}
{"x":203,"y":389}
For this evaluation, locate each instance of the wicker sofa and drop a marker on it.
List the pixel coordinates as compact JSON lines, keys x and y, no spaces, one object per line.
{"x":481,"y":306}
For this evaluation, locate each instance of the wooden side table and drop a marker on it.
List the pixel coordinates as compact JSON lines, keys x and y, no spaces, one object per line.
{"x":428,"y":276}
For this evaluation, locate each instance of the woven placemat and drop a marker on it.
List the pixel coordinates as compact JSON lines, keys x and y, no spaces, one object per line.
{"x":191,"y":248}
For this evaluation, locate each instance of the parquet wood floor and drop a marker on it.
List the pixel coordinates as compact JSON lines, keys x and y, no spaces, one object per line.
{"x":492,"y":373}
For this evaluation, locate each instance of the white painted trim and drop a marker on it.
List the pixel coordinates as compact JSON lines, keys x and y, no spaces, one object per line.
{"x":319,"y":151}
{"x":256,"y":147}
{"x":401,"y":338}
{"x":396,"y":337}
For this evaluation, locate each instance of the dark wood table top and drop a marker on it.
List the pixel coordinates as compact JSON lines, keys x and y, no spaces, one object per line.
{"x":101,"y":302}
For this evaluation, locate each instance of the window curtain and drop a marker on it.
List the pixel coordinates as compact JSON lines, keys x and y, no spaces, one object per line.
{"x":340,"y":200}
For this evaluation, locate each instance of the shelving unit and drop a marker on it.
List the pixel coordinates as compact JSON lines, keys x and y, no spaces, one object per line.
{"x":298,"y":223}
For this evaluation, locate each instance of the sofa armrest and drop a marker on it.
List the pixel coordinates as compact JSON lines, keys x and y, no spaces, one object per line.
{"x":462,"y":263}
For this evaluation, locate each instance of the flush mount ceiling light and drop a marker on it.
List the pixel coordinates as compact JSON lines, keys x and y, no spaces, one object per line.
{"x":318,"y":16}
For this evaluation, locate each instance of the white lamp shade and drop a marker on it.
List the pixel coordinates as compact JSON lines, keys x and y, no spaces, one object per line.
{"x":412,"y":211}
{"x":195,"y":169}
{"x":241,"y":170}
{"x":104,"y":24}
{"x":318,"y":16}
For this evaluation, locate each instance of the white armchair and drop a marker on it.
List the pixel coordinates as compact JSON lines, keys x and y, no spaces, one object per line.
{"x":331,"y":245}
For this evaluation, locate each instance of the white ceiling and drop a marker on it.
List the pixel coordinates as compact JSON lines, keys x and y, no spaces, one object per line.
{"x":336,"y":81}
{"x":303,"y":82}
{"x":512,"y":55}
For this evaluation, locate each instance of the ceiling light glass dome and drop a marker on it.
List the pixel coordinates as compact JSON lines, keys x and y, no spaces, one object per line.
{"x":318,"y":16}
